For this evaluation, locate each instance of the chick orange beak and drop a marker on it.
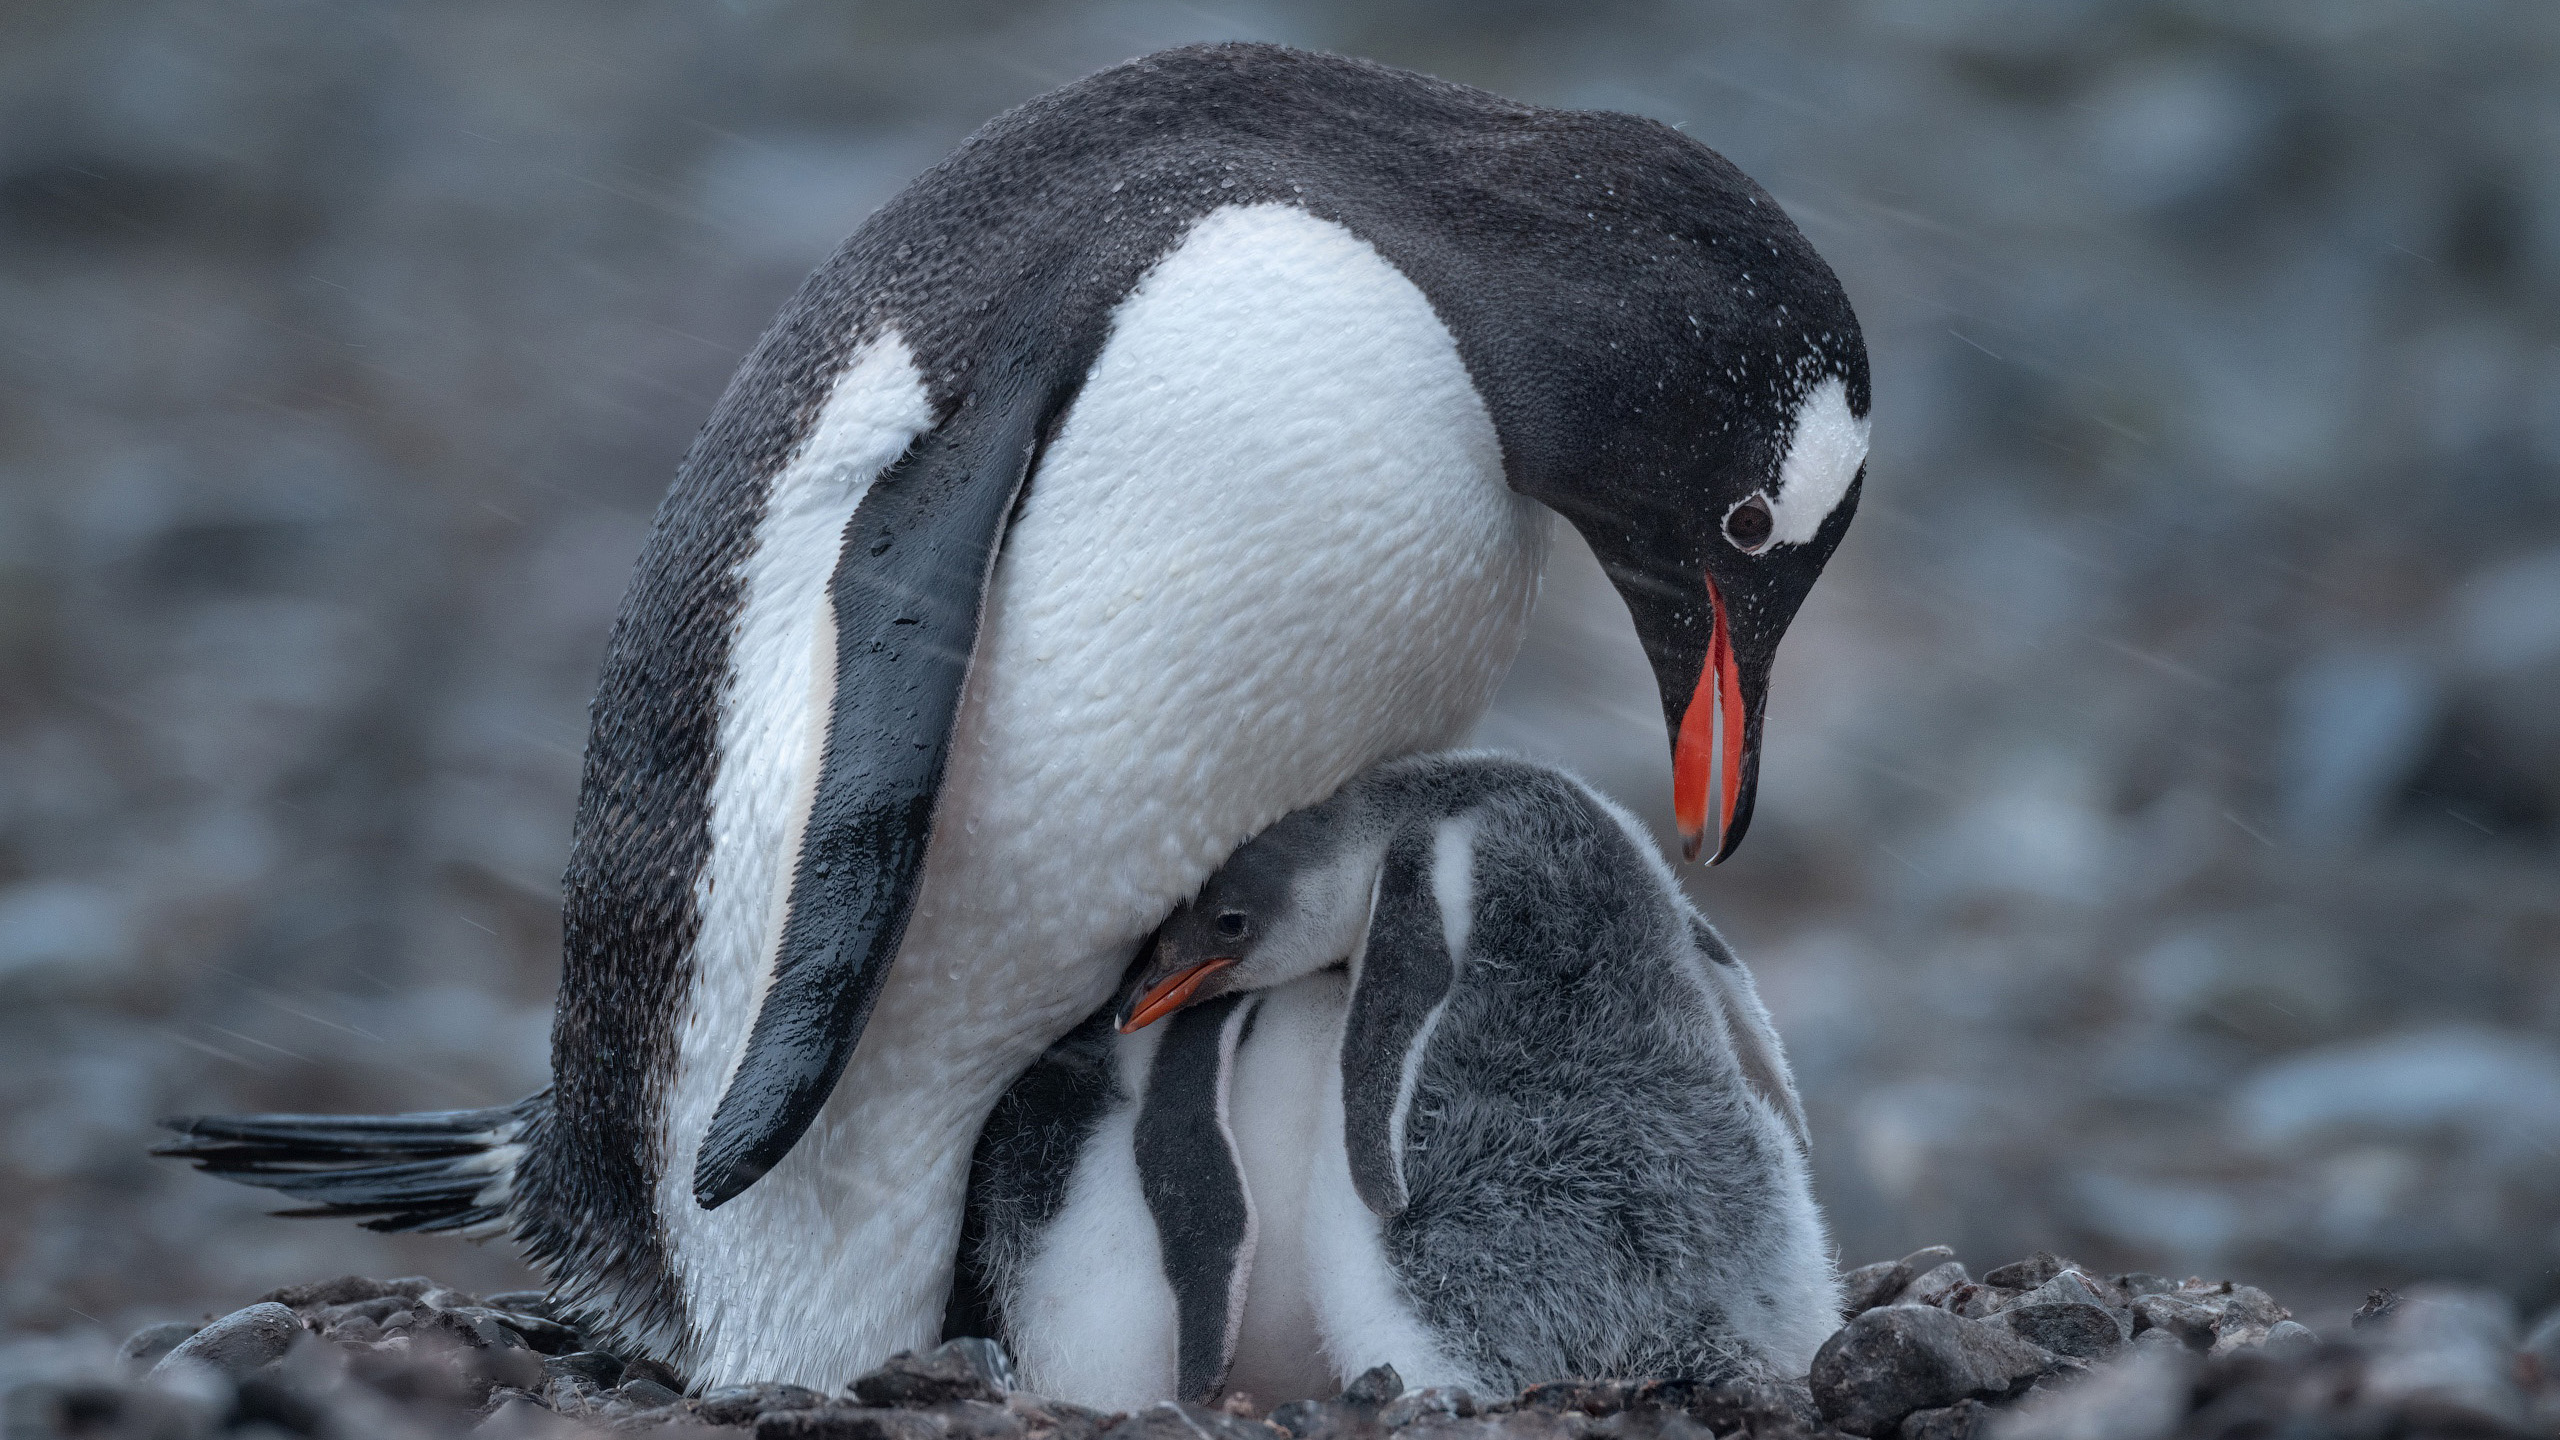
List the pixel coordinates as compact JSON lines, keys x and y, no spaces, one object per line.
{"x":1706,"y":763}
{"x":1170,"y":994}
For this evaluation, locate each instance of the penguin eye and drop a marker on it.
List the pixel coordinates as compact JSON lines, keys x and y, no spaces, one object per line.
{"x":1748,"y":524}
{"x":1231,"y":925}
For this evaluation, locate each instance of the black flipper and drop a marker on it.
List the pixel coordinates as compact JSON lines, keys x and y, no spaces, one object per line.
{"x":909,"y":588}
{"x":1403,"y":974}
{"x":1193,"y":1180}
{"x":443,"y":1170}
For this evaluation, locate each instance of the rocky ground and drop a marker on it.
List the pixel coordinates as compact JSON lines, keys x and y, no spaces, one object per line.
{"x":2035,"y":1350}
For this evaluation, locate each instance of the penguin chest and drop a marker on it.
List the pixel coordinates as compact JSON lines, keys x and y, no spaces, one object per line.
{"x":1271,"y":545}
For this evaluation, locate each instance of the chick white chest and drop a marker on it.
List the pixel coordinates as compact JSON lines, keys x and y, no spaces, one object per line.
{"x":1270,"y":546}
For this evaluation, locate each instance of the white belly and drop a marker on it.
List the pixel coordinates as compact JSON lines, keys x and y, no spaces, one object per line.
{"x":1271,"y":546}
{"x":1280,"y":1073}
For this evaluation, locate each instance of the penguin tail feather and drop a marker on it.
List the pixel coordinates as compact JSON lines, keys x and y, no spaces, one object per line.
{"x":439,"y":1171}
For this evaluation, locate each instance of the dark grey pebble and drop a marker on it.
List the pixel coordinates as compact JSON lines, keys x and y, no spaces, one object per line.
{"x":847,"y":1422}
{"x":2025,"y":1274}
{"x":589,"y":1367}
{"x":1869,"y":1286}
{"x":240,"y":1341}
{"x":1897,"y":1359}
{"x":2287,"y":1338}
{"x":643,"y":1394}
{"x":1935,"y":1284}
{"x":143,"y":1348}
{"x":741,"y":1404}
{"x":346,"y":1290}
{"x":1176,"y":1420}
{"x":2191,"y":1323}
{"x":2067,"y":1327}
{"x":1963,"y":1420}
{"x":2377,"y":1307}
{"x":969,"y":1369}
{"x":1375,"y":1386}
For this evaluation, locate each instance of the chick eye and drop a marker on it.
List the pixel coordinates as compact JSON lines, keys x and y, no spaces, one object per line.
{"x":1748,"y":524}
{"x":1231,"y":925}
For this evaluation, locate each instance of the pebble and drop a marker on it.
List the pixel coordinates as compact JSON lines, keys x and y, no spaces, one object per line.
{"x":144,"y":1347}
{"x":239,"y":1342}
{"x":2068,"y":1327}
{"x":969,"y":1369}
{"x":2035,"y":1350}
{"x":1897,"y":1359}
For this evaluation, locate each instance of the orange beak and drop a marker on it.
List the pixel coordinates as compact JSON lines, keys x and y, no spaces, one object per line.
{"x":1170,"y":994}
{"x":1706,"y":763}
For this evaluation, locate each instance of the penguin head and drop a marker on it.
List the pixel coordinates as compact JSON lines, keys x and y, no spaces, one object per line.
{"x":1288,"y":903}
{"x":1714,"y":578}
{"x":1678,"y":374}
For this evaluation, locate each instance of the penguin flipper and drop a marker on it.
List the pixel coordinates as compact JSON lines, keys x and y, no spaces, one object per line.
{"x":907,"y":594}
{"x":1193,"y":1180}
{"x":448,"y":1171}
{"x":1401,"y":981}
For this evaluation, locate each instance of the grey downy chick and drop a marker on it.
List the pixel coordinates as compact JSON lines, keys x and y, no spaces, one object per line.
{"x":1557,"y":1136}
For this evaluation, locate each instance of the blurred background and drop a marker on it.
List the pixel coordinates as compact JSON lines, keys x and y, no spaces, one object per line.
{"x":2156,"y":852}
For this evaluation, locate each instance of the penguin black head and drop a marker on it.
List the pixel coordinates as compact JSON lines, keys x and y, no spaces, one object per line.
{"x":1675,"y":371}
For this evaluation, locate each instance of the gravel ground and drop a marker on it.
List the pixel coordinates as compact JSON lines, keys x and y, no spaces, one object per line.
{"x":2039,"y":1349}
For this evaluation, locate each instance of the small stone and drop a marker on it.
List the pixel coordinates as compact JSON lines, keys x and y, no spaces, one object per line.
{"x":1177,"y":1420}
{"x":2242,"y":1315}
{"x":240,"y":1341}
{"x":2377,"y":1307}
{"x":2289,"y":1338}
{"x":536,"y":1303}
{"x":979,"y":1420}
{"x":2142,"y":1282}
{"x":143,"y":1348}
{"x":2067,"y":1286}
{"x":2192,"y":1324}
{"x":1375,"y":1386}
{"x":741,"y":1404}
{"x":1429,"y":1400}
{"x":1979,"y":1301}
{"x":641,"y":1367}
{"x":1961,"y":1421}
{"x":1897,"y":1359}
{"x":1934,"y":1285}
{"x":523,"y":1419}
{"x":2067,"y":1327}
{"x":593,"y":1368}
{"x":531,"y":1331}
{"x":346,"y":1289}
{"x":2026,"y":1274}
{"x":847,"y":1422}
{"x":969,"y":1369}
{"x":1869,"y":1286}
{"x":632,"y":1396}
{"x":2141,"y":1396}
{"x":1752,"y":1407}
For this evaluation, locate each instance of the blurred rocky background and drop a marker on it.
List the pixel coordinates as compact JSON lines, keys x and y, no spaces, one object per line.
{"x":2156,"y":851}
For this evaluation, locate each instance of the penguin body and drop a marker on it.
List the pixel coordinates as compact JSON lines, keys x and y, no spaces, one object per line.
{"x":1173,"y":452}
{"x":1556,"y":1135}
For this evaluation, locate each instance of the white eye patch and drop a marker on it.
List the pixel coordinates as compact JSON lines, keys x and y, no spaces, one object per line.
{"x":1823,"y":456}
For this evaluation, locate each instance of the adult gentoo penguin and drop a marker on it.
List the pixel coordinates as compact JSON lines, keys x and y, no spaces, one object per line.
{"x":1558,"y":1134}
{"x":1176,"y":449}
